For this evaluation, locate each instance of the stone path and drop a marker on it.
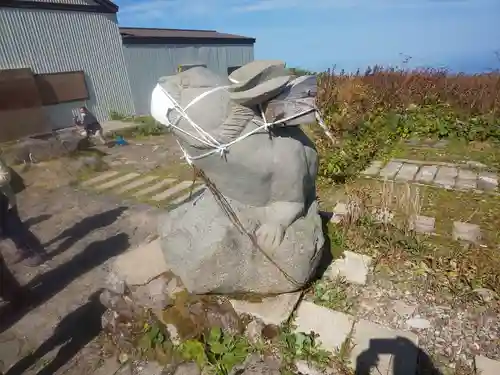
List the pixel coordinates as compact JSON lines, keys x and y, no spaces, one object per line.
{"x":445,"y":175}
{"x":149,"y":187}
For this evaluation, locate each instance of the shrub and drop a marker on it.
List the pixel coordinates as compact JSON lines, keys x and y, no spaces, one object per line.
{"x":370,"y":111}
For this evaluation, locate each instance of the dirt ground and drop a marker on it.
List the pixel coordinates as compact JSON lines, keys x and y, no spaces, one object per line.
{"x":82,"y":233}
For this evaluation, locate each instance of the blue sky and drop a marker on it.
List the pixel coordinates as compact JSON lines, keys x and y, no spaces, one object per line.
{"x":316,"y":34}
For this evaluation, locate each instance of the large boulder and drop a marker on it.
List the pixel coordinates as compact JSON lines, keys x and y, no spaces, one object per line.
{"x":206,"y":250}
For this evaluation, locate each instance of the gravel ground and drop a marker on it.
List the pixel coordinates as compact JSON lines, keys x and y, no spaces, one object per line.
{"x":452,"y":334}
{"x":82,"y":234}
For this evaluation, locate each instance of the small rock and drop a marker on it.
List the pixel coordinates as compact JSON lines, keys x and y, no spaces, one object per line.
{"x":255,"y":365}
{"x":305,"y":368}
{"x":418,"y":323}
{"x":115,"y":284}
{"x":187,"y":368}
{"x":173,"y":333}
{"x":254,"y":331}
{"x":153,"y":295}
{"x":403,"y":309}
{"x":150,"y":368}
{"x":123,"y":357}
{"x":487,"y":295}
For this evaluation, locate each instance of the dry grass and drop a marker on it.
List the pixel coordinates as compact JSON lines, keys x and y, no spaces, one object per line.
{"x":448,"y":268}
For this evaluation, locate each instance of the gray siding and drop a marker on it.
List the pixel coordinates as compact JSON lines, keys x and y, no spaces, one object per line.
{"x":78,"y":2}
{"x":55,"y":41}
{"x":147,"y":63}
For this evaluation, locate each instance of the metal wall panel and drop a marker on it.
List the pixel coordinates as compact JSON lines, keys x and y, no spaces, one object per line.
{"x":56,"y":41}
{"x":147,"y":63}
{"x":78,"y":2}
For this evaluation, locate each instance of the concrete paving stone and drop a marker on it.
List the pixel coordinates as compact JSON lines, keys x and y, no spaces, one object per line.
{"x":486,"y":366}
{"x":407,"y":172}
{"x":466,"y":174}
{"x":487,"y":181}
{"x":155,"y":187}
{"x":138,"y":266}
{"x":426,"y":173}
{"x":271,"y":310}
{"x":403,"y":309}
{"x":100,"y":178}
{"x":440,"y":144}
{"x":373,"y":169}
{"x":118,"y":181}
{"x":379,"y":350}
{"x":353,"y":267}
{"x":171,"y":191}
{"x":423,"y":224}
{"x":390,"y":170}
{"x":10,"y":352}
{"x":466,"y":184}
{"x":333,"y":327}
{"x":466,"y":232}
{"x":135,"y":184}
{"x":184,"y":198}
{"x":446,"y":176}
{"x":109,"y":367}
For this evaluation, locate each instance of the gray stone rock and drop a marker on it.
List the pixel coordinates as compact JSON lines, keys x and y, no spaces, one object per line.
{"x":390,"y":170}
{"x":353,"y":267}
{"x":253,"y":332}
{"x":271,"y":310}
{"x":149,"y":368}
{"x":209,"y":254}
{"x":187,"y":368}
{"x":426,"y":173}
{"x":268,"y":177}
{"x":255,"y":365}
{"x":487,"y":181}
{"x":440,"y":144}
{"x":407,"y":172}
{"x":115,"y":284}
{"x":466,"y":232}
{"x":153,"y":295}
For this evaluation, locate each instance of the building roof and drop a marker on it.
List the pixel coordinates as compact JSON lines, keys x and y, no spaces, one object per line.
{"x":135,"y":35}
{"x":100,"y":6}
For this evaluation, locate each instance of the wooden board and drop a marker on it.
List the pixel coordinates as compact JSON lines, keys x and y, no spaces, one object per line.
{"x":55,"y":88}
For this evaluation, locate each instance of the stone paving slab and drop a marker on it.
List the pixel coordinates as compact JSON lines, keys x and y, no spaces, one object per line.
{"x":407,"y":172}
{"x":466,"y":174}
{"x":332,"y":327}
{"x":390,"y":170}
{"x":173,"y":190}
{"x":138,"y":266}
{"x":159,"y":185}
{"x":271,"y":310}
{"x":486,"y":366}
{"x":462,"y":184}
{"x":353,"y":267}
{"x":379,"y":350}
{"x":118,"y":181}
{"x":100,"y":178}
{"x":136,"y":184}
{"x":446,"y":176}
{"x":373,"y":169}
{"x":466,"y":232}
{"x":426,"y":173}
{"x":184,"y":198}
{"x":423,"y":224}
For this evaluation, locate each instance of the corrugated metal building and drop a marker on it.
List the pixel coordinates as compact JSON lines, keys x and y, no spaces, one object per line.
{"x":120,"y":66}
{"x":153,"y":53}
{"x":68,"y":35}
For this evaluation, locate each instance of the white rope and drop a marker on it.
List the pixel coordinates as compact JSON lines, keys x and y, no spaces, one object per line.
{"x":208,"y":140}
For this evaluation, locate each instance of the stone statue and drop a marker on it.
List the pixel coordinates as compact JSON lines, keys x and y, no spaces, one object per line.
{"x":266,"y":174}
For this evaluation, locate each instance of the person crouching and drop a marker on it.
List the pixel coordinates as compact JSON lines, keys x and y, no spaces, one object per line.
{"x":90,"y":125}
